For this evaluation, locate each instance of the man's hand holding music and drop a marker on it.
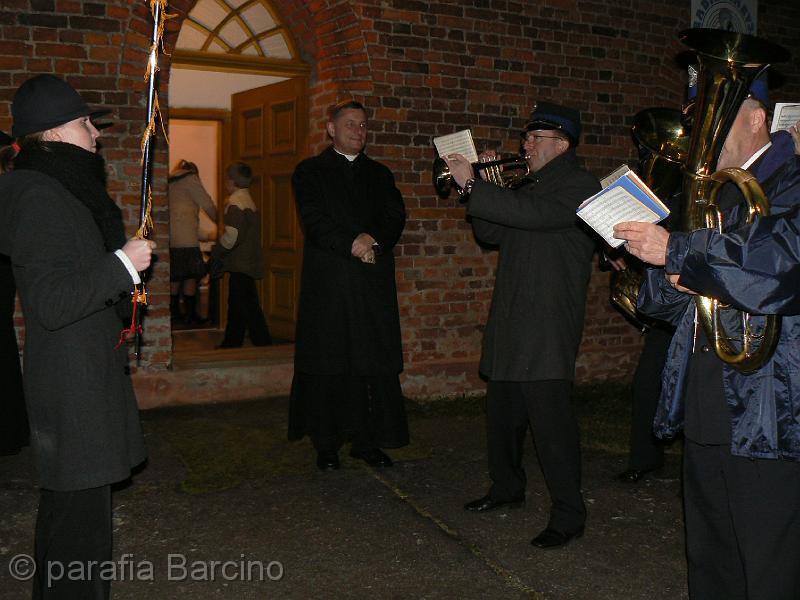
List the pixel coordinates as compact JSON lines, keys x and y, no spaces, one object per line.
{"x":645,"y":241}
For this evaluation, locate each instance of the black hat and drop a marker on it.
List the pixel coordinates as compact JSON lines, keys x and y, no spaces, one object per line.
{"x":547,"y":115}
{"x":47,"y":101}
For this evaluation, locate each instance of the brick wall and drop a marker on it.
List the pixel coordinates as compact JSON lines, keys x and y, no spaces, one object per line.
{"x":423,"y":69}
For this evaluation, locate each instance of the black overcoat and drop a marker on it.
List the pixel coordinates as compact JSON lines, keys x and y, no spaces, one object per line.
{"x":536,"y":318}
{"x":85,"y":429}
{"x":348,"y":320}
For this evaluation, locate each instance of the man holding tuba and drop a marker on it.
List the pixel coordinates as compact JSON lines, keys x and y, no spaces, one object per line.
{"x":536,"y":318}
{"x":741,"y":471}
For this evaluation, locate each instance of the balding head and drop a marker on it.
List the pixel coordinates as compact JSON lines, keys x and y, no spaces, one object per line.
{"x":749,"y":133}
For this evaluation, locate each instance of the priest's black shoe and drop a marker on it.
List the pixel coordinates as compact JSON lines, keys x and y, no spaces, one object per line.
{"x":327,"y":461}
{"x":374,"y":457}
{"x":634,"y":475}
{"x":552,"y":538}
{"x":487,"y":503}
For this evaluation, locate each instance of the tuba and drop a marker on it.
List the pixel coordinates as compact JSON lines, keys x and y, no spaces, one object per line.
{"x":729,"y":63}
{"x":662,"y":141}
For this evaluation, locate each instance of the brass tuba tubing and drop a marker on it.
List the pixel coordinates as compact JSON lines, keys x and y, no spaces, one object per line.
{"x":662,"y":141}
{"x":499,"y":172}
{"x":729,"y":63}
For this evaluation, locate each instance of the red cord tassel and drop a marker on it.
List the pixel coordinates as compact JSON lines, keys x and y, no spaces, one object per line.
{"x":135,"y":328}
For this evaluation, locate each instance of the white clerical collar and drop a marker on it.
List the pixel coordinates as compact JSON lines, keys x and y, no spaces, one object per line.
{"x":350,"y":157}
{"x":755,"y":156}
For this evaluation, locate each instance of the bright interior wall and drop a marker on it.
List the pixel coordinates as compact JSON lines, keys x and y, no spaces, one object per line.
{"x":198,"y":141}
{"x":190,"y":88}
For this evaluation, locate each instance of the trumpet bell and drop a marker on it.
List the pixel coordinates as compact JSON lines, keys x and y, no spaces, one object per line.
{"x":442,"y":179}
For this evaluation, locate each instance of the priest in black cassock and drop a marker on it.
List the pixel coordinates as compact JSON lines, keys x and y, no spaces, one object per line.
{"x":348,"y":353}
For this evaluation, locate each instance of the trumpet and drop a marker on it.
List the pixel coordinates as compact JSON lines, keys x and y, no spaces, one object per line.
{"x":503,"y":172}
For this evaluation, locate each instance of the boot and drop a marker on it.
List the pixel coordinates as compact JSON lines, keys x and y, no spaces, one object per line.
{"x":175,"y":307}
{"x":192,"y":318}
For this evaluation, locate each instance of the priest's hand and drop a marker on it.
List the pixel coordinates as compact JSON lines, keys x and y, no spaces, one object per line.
{"x":362,"y":244}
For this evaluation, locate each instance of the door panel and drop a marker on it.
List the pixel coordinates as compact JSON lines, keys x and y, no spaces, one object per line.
{"x":270,"y":127}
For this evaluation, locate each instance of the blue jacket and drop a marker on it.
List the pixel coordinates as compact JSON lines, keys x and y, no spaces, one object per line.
{"x":755,"y":268}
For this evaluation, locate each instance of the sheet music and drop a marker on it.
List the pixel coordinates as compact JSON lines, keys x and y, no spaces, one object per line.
{"x":459,"y":142}
{"x":615,"y":206}
{"x":785,"y":115}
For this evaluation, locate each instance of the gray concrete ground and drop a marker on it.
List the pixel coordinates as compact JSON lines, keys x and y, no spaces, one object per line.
{"x":223,"y":485}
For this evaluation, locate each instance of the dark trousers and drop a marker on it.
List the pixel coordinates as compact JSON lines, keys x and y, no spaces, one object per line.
{"x":72,"y":527}
{"x":545,"y":407}
{"x":244,"y":313}
{"x":742,"y":525}
{"x":647,"y":451}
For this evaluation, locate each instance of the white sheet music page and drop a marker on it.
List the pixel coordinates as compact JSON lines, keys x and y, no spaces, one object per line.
{"x":615,"y":206}
{"x":459,"y":142}
{"x":785,"y":115}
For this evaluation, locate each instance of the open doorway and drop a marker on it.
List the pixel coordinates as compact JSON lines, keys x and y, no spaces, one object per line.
{"x":229,"y":71}
{"x":264,"y":126}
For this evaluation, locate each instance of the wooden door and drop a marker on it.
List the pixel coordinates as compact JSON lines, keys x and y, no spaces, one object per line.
{"x":269,"y":133}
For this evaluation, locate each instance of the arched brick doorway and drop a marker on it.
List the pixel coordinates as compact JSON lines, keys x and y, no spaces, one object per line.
{"x":329,"y":53}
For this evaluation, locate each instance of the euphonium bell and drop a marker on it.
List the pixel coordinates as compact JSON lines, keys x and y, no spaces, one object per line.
{"x":504,"y":172}
{"x":729,"y":63}
{"x":662,"y":142}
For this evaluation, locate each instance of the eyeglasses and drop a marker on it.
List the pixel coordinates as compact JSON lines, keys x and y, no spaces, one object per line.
{"x":538,"y":138}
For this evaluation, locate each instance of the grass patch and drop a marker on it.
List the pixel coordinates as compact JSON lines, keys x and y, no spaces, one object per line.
{"x":604,"y":416}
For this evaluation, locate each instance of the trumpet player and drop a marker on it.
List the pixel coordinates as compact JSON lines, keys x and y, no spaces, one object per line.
{"x":741,"y":475}
{"x":536,"y":318}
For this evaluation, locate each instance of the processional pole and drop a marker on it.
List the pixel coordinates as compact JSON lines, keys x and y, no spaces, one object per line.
{"x":158,"y":11}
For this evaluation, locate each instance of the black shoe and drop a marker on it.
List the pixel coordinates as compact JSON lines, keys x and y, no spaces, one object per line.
{"x":634,"y":475}
{"x":487,"y":503}
{"x":327,"y":461}
{"x":552,"y":538}
{"x":374,"y":457}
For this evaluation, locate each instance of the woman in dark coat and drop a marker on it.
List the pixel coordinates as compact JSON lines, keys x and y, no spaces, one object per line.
{"x":348,"y":350}
{"x":72,"y":266}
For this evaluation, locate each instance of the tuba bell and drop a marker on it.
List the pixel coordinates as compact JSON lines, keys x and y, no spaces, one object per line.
{"x":662,"y":141}
{"x":729,"y":63}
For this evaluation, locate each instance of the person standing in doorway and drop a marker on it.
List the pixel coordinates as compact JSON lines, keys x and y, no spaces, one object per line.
{"x":187,"y":197}
{"x":240,"y":255}
{"x":348,"y":353}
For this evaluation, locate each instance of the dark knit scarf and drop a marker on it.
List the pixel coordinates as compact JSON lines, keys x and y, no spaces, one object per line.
{"x":83,"y":173}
